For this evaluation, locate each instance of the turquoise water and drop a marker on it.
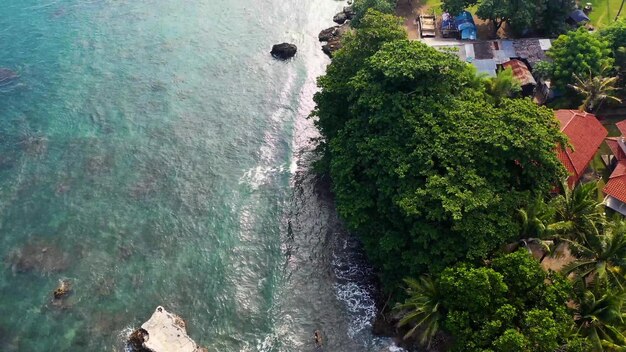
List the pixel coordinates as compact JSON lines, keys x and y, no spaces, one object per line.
{"x":153,"y":153}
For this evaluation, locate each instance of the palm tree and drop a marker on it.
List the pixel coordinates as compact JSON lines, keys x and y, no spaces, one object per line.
{"x":537,"y":226}
{"x":421,"y":309}
{"x":503,"y":85}
{"x":601,"y":258}
{"x":599,"y":317}
{"x":578,"y":212}
{"x":595,"y":89}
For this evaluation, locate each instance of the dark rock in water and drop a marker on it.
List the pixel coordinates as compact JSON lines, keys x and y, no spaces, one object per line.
{"x":340,"y":18}
{"x":349,"y":12}
{"x":284,"y":51}
{"x":63,"y":290}
{"x":7,"y":76}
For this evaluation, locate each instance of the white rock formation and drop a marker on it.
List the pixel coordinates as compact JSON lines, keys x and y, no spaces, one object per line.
{"x":167,"y":333}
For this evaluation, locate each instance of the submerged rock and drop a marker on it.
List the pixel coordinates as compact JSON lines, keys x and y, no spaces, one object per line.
{"x":163,"y":332}
{"x":284,"y":51}
{"x":7,"y":76}
{"x":37,"y":256}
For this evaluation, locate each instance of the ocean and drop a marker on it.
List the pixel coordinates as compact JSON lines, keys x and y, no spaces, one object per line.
{"x":153,"y":153}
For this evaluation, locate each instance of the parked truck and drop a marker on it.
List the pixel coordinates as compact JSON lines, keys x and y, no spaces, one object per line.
{"x":427,"y":25}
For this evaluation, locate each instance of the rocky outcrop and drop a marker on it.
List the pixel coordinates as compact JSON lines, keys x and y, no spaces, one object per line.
{"x":332,"y":36}
{"x":349,"y":12}
{"x":340,"y":18}
{"x":163,"y":332}
{"x":284,"y":51}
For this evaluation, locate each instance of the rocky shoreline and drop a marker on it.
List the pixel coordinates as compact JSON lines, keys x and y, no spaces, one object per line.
{"x":385,"y":322}
{"x":331,"y":37}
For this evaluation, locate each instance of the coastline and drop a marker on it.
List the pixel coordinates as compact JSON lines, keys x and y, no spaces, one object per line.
{"x":351,"y":264}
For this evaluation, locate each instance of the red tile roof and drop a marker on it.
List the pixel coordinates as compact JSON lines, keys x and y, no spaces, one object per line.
{"x":616,"y":186}
{"x":621,"y":126}
{"x":585,"y":134}
{"x":520,"y":71}
{"x":613,"y":143}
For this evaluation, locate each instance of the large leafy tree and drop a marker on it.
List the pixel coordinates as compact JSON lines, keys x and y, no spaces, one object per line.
{"x":550,"y":16}
{"x":578,"y":52}
{"x":423,"y":166}
{"x":519,"y":14}
{"x":513,"y":305}
{"x":456,"y":6}
{"x":615,"y":34}
{"x":332,"y":109}
{"x":362,"y":6}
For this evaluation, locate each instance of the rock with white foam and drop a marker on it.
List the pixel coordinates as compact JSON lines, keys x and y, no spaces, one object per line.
{"x":165,"y":332}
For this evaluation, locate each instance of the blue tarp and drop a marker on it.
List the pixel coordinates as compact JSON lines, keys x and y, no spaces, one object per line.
{"x":463,"y":17}
{"x":469,"y":33}
{"x":465,"y":24}
{"x":579,"y":16}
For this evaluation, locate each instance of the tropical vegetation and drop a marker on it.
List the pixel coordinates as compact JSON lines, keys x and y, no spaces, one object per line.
{"x":450,"y":181}
{"x":546,"y":17}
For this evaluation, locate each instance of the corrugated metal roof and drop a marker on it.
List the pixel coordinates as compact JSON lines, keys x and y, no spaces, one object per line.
{"x":545,"y":44}
{"x":487,"y":66}
{"x":520,"y":71}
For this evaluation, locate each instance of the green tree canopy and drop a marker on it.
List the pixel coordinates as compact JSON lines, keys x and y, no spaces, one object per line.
{"x":511,"y":306}
{"x":615,"y":34}
{"x":578,"y":52}
{"x":362,"y":6}
{"x":455,"y":7}
{"x":423,"y":166}
{"x":519,"y":14}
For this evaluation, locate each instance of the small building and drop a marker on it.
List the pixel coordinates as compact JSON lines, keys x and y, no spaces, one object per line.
{"x":522,"y":73}
{"x":615,"y":188}
{"x":585,"y":134}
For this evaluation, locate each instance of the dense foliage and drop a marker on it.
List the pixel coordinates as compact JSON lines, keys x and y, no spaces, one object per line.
{"x":457,"y":6}
{"x":578,"y":52}
{"x":362,"y":6}
{"x":441,"y":171}
{"x":423,"y":165}
{"x":513,"y":305}
{"x":615,"y":34}
{"x":547,"y":17}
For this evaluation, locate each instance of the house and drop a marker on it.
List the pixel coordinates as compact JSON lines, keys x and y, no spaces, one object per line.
{"x":522,"y":73}
{"x":615,"y":188}
{"x":585,"y":134}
